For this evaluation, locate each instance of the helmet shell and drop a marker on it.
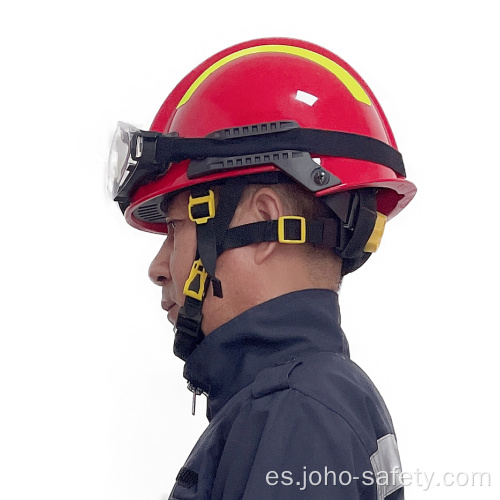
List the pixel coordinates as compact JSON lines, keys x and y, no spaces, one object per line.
{"x":276,"y":79}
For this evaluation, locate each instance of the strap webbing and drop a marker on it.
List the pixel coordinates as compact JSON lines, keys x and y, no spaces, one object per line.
{"x":211,"y":233}
{"x":324,"y":232}
{"x":205,"y":234}
{"x":230,"y":196}
{"x":188,"y":333}
{"x":321,"y":142}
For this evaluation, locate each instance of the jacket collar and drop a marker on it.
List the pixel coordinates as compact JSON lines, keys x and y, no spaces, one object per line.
{"x":269,"y":334}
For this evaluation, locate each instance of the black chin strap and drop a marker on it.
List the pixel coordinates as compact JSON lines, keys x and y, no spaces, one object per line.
{"x":211,"y":227}
{"x":211,"y":232}
{"x":188,"y":333}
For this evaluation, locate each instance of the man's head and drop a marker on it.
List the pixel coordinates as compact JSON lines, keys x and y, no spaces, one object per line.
{"x":251,"y":274}
{"x":302,"y":161}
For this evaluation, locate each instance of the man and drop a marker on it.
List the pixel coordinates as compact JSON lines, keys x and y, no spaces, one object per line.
{"x":272,"y":169}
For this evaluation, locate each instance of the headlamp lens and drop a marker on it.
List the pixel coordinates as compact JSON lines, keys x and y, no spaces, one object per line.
{"x":119,"y":157}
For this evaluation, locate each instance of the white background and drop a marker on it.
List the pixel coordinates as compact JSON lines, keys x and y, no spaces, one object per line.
{"x":93,"y":403}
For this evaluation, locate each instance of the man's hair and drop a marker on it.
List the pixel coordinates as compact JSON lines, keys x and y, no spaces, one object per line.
{"x":300,"y":201}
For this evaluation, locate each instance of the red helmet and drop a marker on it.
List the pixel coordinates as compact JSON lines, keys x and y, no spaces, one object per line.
{"x":274,"y":80}
{"x":264,"y":111}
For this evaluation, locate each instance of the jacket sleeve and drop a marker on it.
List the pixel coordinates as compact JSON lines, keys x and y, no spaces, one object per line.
{"x":287,"y":445}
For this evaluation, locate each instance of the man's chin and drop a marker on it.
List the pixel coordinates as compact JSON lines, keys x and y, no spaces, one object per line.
{"x":172,"y":315}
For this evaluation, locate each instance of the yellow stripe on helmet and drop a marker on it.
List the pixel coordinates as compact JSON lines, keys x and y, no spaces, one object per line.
{"x":349,"y":81}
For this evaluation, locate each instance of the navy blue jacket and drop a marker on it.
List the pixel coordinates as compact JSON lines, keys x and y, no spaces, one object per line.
{"x":291,"y":416}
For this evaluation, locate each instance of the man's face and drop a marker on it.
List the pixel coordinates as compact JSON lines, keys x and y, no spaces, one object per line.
{"x":170,"y":268}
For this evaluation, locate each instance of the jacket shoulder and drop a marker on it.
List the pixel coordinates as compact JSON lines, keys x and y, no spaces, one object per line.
{"x":344,"y":388}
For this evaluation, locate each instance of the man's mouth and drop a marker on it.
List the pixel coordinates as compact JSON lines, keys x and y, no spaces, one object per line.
{"x":172,"y":312}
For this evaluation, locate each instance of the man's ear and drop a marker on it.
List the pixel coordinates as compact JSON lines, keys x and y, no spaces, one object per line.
{"x":265,"y":204}
{"x":261,"y":205}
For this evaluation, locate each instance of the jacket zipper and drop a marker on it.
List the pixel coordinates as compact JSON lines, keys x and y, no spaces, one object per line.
{"x":196,"y":392}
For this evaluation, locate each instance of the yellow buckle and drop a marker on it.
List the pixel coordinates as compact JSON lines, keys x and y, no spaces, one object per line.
{"x":209,"y":200}
{"x":376,"y":237}
{"x":281,"y":229}
{"x":196,"y":271}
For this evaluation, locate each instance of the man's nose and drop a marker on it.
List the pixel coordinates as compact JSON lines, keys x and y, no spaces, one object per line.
{"x":159,"y":269}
